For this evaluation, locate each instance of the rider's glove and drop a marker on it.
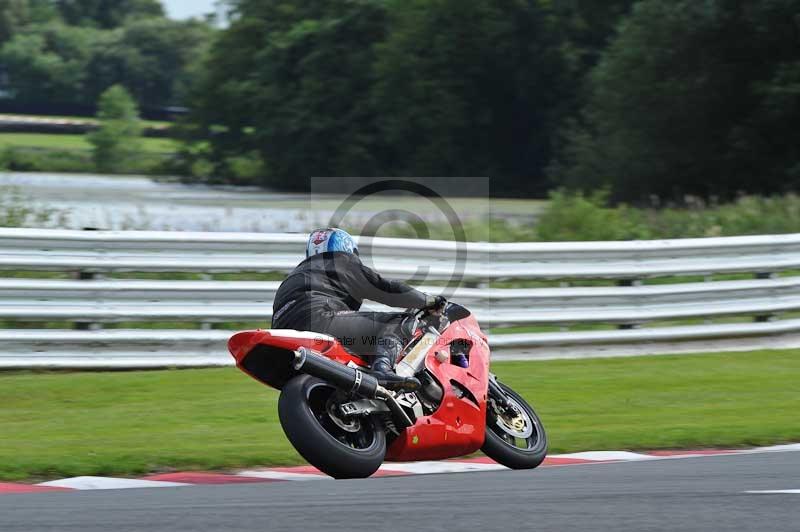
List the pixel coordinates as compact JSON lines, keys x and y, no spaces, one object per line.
{"x":435,"y":303}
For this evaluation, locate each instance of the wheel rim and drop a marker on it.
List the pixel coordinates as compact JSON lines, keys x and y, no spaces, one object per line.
{"x":515,"y":426}
{"x":354,"y":433}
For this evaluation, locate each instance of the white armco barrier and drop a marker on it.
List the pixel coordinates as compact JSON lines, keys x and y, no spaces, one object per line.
{"x":93,"y":299}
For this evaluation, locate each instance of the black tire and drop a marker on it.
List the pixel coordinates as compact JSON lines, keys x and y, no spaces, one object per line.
{"x":320,"y":440}
{"x":498,"y":443}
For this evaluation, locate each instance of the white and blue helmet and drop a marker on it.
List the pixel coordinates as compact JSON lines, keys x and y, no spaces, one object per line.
{"x":330,"y":239}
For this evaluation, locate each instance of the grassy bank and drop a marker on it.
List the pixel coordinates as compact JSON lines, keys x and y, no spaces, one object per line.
{"x":135,"y":422}
{"x":75,"y":142}
{"x":37,"y":152}
{"x":578,"y":217}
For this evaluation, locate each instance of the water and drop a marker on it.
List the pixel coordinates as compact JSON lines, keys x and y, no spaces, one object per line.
{"x":142,"y":203}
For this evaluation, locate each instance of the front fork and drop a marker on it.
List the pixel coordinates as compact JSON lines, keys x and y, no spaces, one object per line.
{"x":497,"y":395}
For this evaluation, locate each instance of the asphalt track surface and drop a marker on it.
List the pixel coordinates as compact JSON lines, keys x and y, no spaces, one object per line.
{"x":703,"y":493}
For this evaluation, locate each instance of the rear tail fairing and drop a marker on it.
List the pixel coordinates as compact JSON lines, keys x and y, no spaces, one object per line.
{"x":268,"y":355}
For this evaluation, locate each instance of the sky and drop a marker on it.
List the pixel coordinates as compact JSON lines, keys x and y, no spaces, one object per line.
{"x":181,"y":9}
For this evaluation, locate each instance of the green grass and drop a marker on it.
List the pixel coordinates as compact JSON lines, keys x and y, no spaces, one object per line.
{"x":118,"y":423}
{"x":727,"y":399}
{"x":75,"y":142}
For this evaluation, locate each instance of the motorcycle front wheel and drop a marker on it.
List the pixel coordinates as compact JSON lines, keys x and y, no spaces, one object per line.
{"x":515,"y":436}
{"x":339,"y":447}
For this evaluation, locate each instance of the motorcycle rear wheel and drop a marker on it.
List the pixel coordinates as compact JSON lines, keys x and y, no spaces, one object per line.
{"x":341,"y":448}
{"x":516,"y":441}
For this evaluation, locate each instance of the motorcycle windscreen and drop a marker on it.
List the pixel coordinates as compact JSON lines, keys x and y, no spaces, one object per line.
{"x":455,"y":312}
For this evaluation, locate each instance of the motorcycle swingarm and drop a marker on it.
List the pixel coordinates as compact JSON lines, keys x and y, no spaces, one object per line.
{"x":363,"y":407}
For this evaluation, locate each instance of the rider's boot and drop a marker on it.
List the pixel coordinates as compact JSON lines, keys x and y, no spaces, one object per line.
{"x":383,"y":367}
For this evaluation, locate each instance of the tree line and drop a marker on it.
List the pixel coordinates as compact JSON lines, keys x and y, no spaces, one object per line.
{"x":645,"y":98}
{"x":396,"y":88}
{"x":642,"y":98}
{"x":68,"y":52}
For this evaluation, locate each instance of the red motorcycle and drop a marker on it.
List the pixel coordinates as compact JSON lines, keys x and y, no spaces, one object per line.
{"x":341,"y":420}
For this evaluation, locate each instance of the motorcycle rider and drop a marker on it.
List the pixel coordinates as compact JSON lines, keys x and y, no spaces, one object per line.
{"x":324,"y":294}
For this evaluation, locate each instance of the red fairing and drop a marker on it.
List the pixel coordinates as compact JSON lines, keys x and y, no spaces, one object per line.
{"x":241,"y":344}
{"x":458,"y":426}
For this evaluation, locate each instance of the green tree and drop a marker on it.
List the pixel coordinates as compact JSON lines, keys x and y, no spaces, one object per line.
{"x":118,"y":137}
{"x":472,"y":87}
{"x":16,"y":14}
{"x":587,"y":26}
{"x":291,"y":81}
{"x":154,"y":58}
{"x":107,"y":13}
{"x":397,"y":87}
{"x":13,"y":13}
{"x":48,"y":62}
{"x":697,"y":98}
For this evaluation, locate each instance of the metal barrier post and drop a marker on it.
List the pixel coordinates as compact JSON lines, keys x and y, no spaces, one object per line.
{"x":87,"y":276}
{"x":629,"y":282}
{"x":763,"y":318}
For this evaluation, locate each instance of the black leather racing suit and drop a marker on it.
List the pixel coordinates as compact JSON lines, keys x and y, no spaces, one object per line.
{"x":324,"y":294}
